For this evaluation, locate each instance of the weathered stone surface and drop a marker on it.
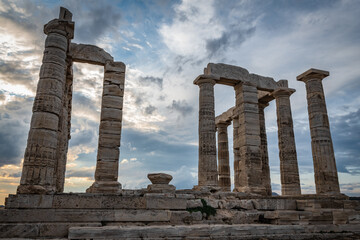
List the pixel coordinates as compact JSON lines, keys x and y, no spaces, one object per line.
{"x":85,"y":53}
{"x":161,"y":188}
{"x":159,"y":178}
{"x":223,"y":157}
{"x":326,"y":178}
{"x":207,"y":170}
{"x":165,"y":203}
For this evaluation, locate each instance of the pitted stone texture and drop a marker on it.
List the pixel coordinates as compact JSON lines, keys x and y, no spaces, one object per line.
{"x":223,"y":157}
{"x":207,"y":169}
{"x":326,"y":177}
{"x":159,"y":178}
{"x":85,"y":53}
{"x":290,"y":181}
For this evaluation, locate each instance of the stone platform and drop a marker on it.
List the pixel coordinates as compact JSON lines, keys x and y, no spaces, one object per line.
{"x":66,"y":215}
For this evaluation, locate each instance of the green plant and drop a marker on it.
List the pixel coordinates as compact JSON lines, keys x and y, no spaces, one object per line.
{"x":208,"y":210}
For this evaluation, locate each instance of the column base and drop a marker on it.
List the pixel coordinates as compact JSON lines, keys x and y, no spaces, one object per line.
{"x":35,"y":189}
{"x":161,"y":188}
{"x":105,"y":187}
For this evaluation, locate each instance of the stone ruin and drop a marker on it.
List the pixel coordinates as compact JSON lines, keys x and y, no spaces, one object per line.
{"x":210,"y":210}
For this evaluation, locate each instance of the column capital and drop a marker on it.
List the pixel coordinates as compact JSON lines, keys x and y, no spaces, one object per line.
{"x":63,"y":27}
{"x":205,"y":79}
{"x":312,"y":73}
{"x":283,"y":92}
{"x":224,"y":124}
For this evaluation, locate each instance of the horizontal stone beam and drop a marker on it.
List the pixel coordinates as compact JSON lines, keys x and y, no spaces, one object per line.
{"x":225,"y":116}
{"x":85,"y":53}
{"x":231,"y":75}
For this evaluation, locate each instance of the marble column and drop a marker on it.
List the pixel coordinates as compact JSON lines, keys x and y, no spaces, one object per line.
{"x":223,"y":156}
{"x":326,"y":177}
{"x":266,"y":181}
{"x":107,"y":165}
{"x":236,"y":151}
{"x":289,"y":170}
{"x":40,"y":159}
{"x":250,"y":164}
{"x":207,"y":169}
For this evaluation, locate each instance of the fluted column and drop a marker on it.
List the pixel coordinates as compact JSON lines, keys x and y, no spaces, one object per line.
{"x":326,"y":177}
{"x":40,"y":159}
{"x":289,"y":170}
{"x":266,"y":181}
{"x":107,"y":165}
{"x":223,"y":156}
{"x":236,"y":151}
{"x":207,"y":169}
{"x":249,"y":140}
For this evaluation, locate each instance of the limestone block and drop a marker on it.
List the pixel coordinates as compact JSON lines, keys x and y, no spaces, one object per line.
{"x":165,"y":203}
{"x":111,"y":114}
{"x":89,"y":54}
{"x":43,"y":137}
{"x":108,"y":153}
{"x":159,"y":178}
{"x":61,"y":229}
{"x":18,"y":230}
{"x":193,"y":203}
{"x":55,"y":52}
{"x":340,"y":217}
{"x":112,"y":102}
{"x":142,"y":215}
{"x":115,"y":67}
{"x":28,"y":201}
{"x":52,"y":58}
{"x":73,"y":201}
{"x":106,"y":182}
{"x":57,"y":41}
{"x":47,"y":86}
{"x":54,"y":71}
{"x":109,"y":140}
{"x":185,"y":195}
{"x":110,"y":127}
{"x":45,"y":120}
{"x":113,"y":90}
{"x":115,"y":78}
{"x":161,"y":188}
{"x":47,"y":103}
{"x":123,"y":202}
{"x":274,"y":204}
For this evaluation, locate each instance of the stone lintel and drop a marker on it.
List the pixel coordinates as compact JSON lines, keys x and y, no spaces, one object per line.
{"x":312,"y":73}
{"x":233,"y":75}
{"x":85,"y":53}
{"x":265,"y":97}
{"x":283,"y":91}
{"x":225,"y":116}
{"x":222,"y":123}
{"x":205,"y":78}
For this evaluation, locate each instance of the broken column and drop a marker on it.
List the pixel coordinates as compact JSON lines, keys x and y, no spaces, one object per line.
{"x":207,"y":169}
{"x":41,"y":154}
{"x":223,"y":156}
{"x":249,"y":142}
{"x":107,"y":165}
{"x":289,"y":171}
{"x":326,"y":178}
{"x":266,"y":181}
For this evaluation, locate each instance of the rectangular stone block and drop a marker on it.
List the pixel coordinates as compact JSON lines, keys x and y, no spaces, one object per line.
{"x":66,"y":201}
{"x":123,"y":202}
{"x":142,"y":215}
{"x":118,"y":67}
{"x":47,"y":103}
{"x":165,"y":203}
{"x":49,"y":86}
{"x":52,"y":70}
{"x":20,"y":201}
{"x":112,"y":102}
{"x":109,"y":140}
{"x":110,"y":127}
{"x":57,"y":230}
{"x":274,"y":204}
{"x":19,"y":230}
{"x":45,"y":120}
{"x":111,"y":114}
{"x":113,"y":90}
{"x":110,"y":154}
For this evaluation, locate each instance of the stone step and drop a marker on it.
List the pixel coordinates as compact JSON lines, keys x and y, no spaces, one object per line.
{"x":244,"y":231}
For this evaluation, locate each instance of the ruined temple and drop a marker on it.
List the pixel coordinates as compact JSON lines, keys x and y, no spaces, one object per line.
{"x":211,"y":210}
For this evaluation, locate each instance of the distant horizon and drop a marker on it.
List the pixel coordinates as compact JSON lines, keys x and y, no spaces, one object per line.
{"x":165,"y":46}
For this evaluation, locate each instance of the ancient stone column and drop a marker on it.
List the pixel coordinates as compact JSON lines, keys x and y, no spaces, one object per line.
{"x":289,"y":171}
{"x":40,"y":160}
{"x":266,"y":181}
{"x":107,"y":165}
{"x":223,"y":156}
{"x":249,"y":143}
{"x":207,"y":169}
{"x":236,"y":151}
{"x":326,"y":178}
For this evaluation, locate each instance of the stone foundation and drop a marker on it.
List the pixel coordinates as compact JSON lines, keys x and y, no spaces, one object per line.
{"x":89,"y":216}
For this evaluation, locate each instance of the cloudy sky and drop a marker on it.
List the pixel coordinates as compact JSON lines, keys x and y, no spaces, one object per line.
{"x":166,"y":45}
